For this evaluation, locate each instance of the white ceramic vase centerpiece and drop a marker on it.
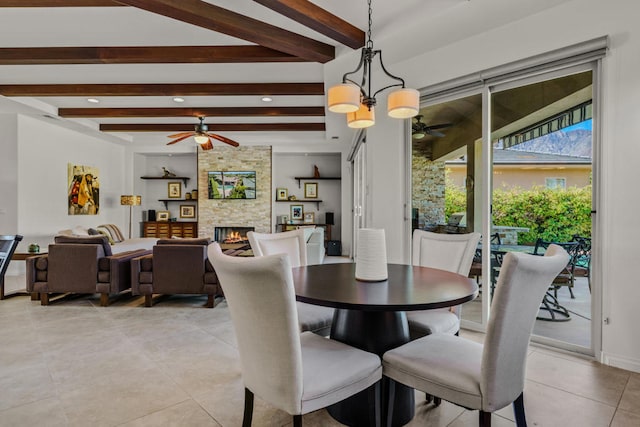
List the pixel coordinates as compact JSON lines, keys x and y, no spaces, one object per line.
{"x":371,"y":260}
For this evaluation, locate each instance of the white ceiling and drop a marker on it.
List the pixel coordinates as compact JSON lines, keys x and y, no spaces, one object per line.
{"x":129,"y":26}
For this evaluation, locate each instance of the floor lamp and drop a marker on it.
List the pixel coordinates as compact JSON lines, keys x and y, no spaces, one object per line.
{"x":129,"y":200}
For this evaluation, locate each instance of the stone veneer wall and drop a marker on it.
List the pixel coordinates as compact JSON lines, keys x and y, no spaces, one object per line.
{"x":243,"y":213}
{"x":428,"y":183}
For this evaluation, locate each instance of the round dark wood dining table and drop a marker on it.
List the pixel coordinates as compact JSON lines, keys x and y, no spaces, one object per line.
{"x":371,"y":316}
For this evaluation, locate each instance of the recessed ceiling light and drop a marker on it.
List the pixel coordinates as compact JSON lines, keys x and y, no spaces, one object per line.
{"x":178,"y":99}
{"x":267,"y":99}
{"x":93,"y":100}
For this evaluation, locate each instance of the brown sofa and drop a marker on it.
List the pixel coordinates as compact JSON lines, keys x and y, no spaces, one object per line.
{"x":177,"y":266}
{"x":83,"y":265}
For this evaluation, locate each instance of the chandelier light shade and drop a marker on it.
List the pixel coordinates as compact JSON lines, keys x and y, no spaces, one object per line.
{"x":403,"y":103}
{"x":363,"y":118}
{"x":350,"y":97}
{"x":344,"y":98}
{"x":130,"y":200}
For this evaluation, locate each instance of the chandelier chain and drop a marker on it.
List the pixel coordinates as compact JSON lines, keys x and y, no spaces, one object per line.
{"x":369,"y":42}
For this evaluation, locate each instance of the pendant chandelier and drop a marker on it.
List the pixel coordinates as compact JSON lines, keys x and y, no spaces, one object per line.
{"x":358,"y":101}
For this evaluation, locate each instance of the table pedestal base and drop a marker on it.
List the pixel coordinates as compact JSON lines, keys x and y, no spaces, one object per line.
{"x":376,"y":332}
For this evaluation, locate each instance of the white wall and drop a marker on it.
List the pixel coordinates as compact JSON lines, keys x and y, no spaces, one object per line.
{"x":567,"y":23}
{"x":44,"y":150}
{"x":9,"y":174}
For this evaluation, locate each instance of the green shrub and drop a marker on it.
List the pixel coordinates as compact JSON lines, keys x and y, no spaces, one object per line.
{"x":553,"y":215}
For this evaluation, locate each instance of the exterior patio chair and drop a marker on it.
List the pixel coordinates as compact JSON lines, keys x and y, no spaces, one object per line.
{"x":483,"y":377}
{"x":293,"y":371}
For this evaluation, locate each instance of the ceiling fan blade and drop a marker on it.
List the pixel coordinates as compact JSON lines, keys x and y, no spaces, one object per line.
{"x":223,"y":139}
{"x":434,"y":133}
{"x":440,"y":126}
{"x":207,"y":145}
{"x":181,"y":134}
{"x":178,"y":140}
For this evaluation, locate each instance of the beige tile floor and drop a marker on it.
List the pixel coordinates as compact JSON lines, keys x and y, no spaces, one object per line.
{"x":74,"y":363}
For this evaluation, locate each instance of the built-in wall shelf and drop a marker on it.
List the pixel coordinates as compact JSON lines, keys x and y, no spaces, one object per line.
{"x":316,"y":201}
{"x":166,"y":201}
{"x":184,"y":179}
{"x":312,"y":178}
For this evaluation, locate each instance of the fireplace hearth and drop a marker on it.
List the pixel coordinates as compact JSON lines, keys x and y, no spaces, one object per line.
{"x":231,"y":234}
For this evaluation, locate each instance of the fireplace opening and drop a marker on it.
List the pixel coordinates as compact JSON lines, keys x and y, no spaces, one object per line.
{"x":231,"y":234}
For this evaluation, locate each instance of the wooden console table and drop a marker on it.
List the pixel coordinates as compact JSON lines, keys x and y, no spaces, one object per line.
{"x":168,"y":229}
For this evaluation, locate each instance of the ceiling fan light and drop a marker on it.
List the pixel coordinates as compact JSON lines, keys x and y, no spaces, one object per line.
{"x":418,"y":135}
{"x":363,"y":118}
{"x":343,"y":98}
{"x":403,"y":103}
{"x":201,"y":139}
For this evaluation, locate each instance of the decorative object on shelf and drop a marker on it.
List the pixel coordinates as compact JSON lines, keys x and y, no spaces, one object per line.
{"x":187,"y":211}
{"x":232,"y":185}
{"x":310,"y":190}
{"x":202,"y":136}
{"x":33,"y":248}
{"x":371,"y":259}
{"x":316,"y":172}
{"x":357,"y":100}
{"x":83,"y":190}
{"x":292,"y":197}
{"x":328,"y":218}
{"x":297,"y":212}
{"x":194,"y":194}
{"x":283,"y":219}
{"x":162,"y":216}
{"x":130,"y":200}
{"x":309,"y":218}
{"x":187,"y":196}
{"x":166,"y":173}
{"x":174,"y":190}
{"x":282,"y":194}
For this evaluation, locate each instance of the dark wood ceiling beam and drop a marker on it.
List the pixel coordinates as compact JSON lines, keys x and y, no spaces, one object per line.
{"x":161,"y":89}
{"x":206,"y":15}
{"x":58,"y":3}
{"x":318,"y":19}
{"x":142,"y":55}
{"x":213,"y":127}
{"x":192,"y":112}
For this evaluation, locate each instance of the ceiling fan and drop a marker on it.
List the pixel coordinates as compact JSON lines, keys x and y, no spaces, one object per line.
{"x":419,"y":129}
{"x":202,"y":136}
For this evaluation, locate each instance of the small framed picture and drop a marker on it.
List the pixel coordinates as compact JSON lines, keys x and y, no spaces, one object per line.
{"x":310,"y":190}
{"x":297,"y":212}
{"x":309,"y":218}
{"x":187,"y":211}
{"x":175,"y":190}
{"x":162,"y":216}
{"x":282,"y":194}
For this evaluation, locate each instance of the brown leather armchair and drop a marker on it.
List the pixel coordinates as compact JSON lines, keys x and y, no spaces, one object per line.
{"x":83,"y":265}
{"x":177,"y":266}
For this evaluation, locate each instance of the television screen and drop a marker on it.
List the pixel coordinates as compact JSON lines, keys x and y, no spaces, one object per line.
{"x":232,"y":185}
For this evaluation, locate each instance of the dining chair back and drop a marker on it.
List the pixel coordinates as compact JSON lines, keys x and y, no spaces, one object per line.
{"x":295,"y":372}
{"x":291,"y":243}
{"x":485,"y":377}
{"x":451,"y":252}
{"x":8,"y":245}
{"x":311,"y":317}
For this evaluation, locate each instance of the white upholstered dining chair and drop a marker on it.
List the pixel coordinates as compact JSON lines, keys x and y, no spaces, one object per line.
{"x":293,"y":371}
{"x":491,"y":376}
{"x":312,"y":318}
{"x":451,"y":252}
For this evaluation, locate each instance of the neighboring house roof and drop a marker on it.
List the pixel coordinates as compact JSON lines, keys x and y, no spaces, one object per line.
{"x":517,"y":157}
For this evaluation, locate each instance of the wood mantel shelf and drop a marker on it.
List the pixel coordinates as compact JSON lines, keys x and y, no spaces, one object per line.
{"x":312,"y":178}
{"x":184,"y":179}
